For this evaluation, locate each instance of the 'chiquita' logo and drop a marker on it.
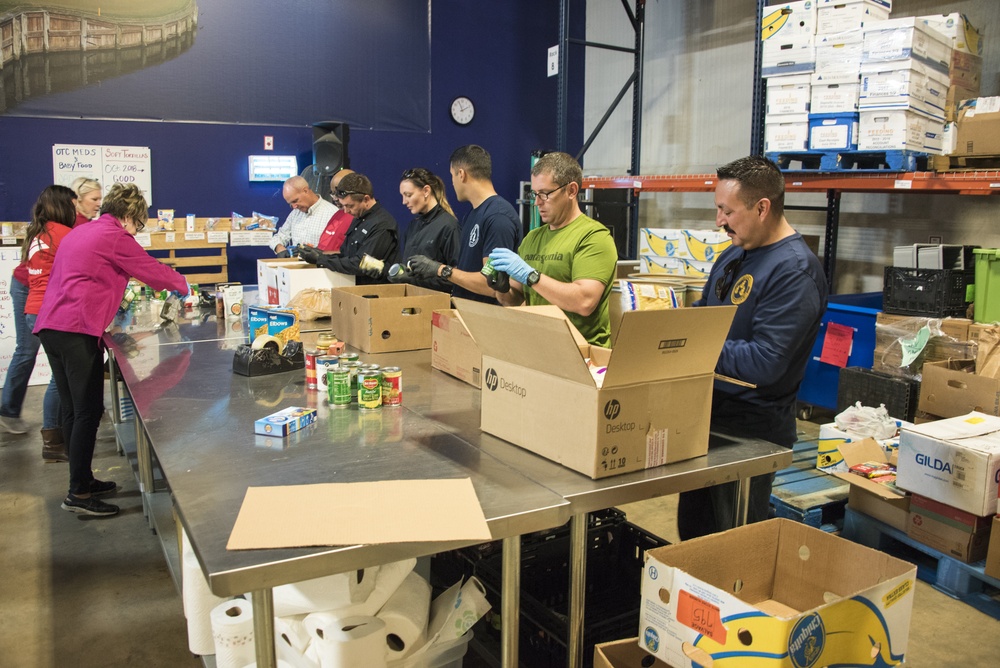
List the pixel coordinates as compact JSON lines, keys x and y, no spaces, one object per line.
{"x":492,"y":379}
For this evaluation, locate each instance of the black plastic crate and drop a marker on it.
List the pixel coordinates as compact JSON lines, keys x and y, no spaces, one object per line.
{"x":928,"y":292}
{"x":873,"y":388}
{"x":614,"y":579}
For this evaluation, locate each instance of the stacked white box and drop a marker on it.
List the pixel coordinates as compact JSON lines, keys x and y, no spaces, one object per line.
{"x":787,"y":95}
{"x":900,"y":130}
{"x":957,"y":28}
{"x":833,"y":132}
{"x":839,"y":53}
{"x":787,"y":134}
{"x":839,"y":15}
{"x":787,"y":34}
{"x":834,"y":93}
{"x":903,"y":84}
{"x":899,"y":39}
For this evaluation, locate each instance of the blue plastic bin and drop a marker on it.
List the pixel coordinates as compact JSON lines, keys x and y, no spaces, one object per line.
{"x":821,"y":380}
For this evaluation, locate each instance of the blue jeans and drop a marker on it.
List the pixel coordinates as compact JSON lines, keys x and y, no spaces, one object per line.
{"x":23,"y":363}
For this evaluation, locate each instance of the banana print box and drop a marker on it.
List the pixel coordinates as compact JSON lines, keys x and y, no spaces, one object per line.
{"x":777,"y":594}
{"x":284,"y":422}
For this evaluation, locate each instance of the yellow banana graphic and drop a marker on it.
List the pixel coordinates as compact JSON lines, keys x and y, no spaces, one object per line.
{"x":691,"y":270}
{"x":828,"y":451}
{"x":972,"y":38}
{"x":655,"y":265}
{"x":773,"y":22}
{"x":703,"y":251}
{"x":659,"y":245}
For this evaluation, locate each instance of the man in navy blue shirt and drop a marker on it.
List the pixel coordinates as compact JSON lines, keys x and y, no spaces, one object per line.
{"x":778,"y":287}
{"x":492,"y":223}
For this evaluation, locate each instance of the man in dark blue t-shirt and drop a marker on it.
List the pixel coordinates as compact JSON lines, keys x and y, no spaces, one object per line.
{"x":779,"y":289}
{"x":492,"y":223}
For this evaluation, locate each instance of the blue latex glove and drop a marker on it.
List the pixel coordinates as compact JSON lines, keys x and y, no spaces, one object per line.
{"x":506,"y":260}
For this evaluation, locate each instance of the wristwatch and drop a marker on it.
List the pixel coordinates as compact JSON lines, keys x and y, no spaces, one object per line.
{"x":446,"y":271}
{"x":533,"y":278}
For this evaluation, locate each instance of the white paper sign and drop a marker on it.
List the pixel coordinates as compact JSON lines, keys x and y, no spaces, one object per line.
{"x":261,"y":237}
{"x":218,"y":237}
{"x":107,"y":164}
{"x":194,"y":236}
{"x":239,"y":238}
{"x":170,"y":237}
{"x":553,"y":61}
{"x":144,"y":239}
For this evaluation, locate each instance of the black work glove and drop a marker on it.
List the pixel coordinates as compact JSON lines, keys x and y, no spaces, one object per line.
{"x":423,"y":267}
{"x":308,"y":253}
{"x":284,"y":253}
{"x":371,"y":272}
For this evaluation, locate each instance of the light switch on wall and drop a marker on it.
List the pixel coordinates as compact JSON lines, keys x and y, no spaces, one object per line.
{"x":268,"y":143}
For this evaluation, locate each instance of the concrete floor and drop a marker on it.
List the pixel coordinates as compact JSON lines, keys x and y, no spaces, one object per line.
{"x":81,"y":591}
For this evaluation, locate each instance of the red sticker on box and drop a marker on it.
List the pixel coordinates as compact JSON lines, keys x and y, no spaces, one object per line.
{"x":701,"y":616}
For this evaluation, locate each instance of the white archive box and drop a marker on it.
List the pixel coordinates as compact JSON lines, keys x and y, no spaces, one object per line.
{"x":267,"y":279}
{"x":897,"y":39}
{"x":903,"y":84}
{"x":795,"y":55}
{"x":956,"y":27}
{"x":839,"y":52}
{"x":788,"y":95}
{"x":292,"y":279}
{"x":899,"y":130}
{"x":955,"y":461}
{"x":839,"y":15}
{"x":834,"y":93}
{"x":786,"y":133}
{"x":786,"y":20}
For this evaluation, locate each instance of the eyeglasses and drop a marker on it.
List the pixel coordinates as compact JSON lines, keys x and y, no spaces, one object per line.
{"x":728,"y":276}
{"x":137,"y":224}
{"x":544,"y":196}
{"x":344,"y":193}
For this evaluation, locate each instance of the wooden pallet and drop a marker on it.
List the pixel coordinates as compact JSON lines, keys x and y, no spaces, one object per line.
{"x":965,"y":582}
{"x":851,"y":161}
{"x":965,"y":163}
{"x":805,"y":494}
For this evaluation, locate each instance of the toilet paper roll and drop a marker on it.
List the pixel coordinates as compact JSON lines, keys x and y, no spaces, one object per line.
{"x":351,"y":642}
{"x":198,"y":601}
{"x":330,"y":592}
{"x":405,"y":615}
{"x":388,"y":580}
{"x":292,"y":631}
{"x":456,"y":610}
{"x":232,"y":627}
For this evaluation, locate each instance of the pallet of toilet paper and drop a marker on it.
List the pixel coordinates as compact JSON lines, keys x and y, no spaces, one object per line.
{"x":378,"y":617}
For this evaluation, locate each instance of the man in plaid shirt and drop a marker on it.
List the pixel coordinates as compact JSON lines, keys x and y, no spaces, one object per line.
{"x":305,"y":224}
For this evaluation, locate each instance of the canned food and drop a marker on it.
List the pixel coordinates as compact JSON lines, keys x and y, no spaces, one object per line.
{"x":349,"y":357}
{"x":369,"y":389}
{"x":392,"y":386}
{"x":324,"y":364}
{"x":497,"y":280}
{"x":339,"y":387}
{"x":369,"y":263}
{"x":310,"y":356}
{"x":370,"y":367}
{"x":353,"y":367}
{"x":324,"y":340}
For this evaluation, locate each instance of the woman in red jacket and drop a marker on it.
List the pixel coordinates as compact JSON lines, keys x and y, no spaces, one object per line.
{"x":88,"y":198}
{"x":51,"y":220}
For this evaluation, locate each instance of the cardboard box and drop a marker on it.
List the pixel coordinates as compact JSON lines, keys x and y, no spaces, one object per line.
{"x":894,"y":511}
{"x":699,"y":245}
{"x":789,"y":20}
{"x":783,"y":134}
{"x":978,"y":131}
{"x":993,"y":554}
{"x":624,"y":654}
{"x":653,"y":407}
{"x":834,"y":94}
{"x":285,"y":421}
{"x":957,"y":94}
{"x":795,"y":55}
{"x":294,"y":278}
{"x":884,"y":503}
{"x":675,"y":266}
{"x":950,"y":389}
{"x":839,"y":54}
{"x":802,"y":597}
{"x":905,"y":84}
{"x":966,"y":71}
{"x":955,"y":461}
{"x":788,"y":95}
{"x":898,"y":39}
{"x":267,"y":278}
{"x":898,"y":130}
{"x":829,"y":454}
{"x":958,"y":534}
{"x":385,"y":318}
{"x":833,"y":132}
{"x":964,"y":37}
{"x":453,"y":350}
{"x":834,"y":16}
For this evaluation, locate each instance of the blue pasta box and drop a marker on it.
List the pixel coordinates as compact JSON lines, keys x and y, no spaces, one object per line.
{"x":257,"y":321}
{"x":284,"y":422}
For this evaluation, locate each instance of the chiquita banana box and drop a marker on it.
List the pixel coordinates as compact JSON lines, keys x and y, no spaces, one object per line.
{"x":776,"y":594}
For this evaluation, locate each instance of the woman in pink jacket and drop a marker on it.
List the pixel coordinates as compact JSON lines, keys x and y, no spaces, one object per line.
{"x":88,"y":279}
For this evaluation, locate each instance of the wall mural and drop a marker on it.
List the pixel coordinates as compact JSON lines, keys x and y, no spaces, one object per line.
{"x":229,"y":61}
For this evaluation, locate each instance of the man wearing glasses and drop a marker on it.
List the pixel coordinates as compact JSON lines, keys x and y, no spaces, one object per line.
{"x":570,"y":260}
{"x":778,"y":287}
{"x":336,"y":230}
{"x":372,"y":232}
{"x":305,"y":224}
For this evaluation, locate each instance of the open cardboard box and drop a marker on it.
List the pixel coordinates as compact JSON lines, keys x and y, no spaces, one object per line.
{"x":867,"y":496}
{"x":293,"y":278}
{"x":453,"y":350}
{"x":267,"y":278}
{"x":949,"y":389}
{"x":385,"y":318}
{"x":624,"y":654}
{"x":775,"y":594}
{"x":653,"y":407}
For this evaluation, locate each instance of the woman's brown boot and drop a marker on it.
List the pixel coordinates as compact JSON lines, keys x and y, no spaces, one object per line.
{"x":53,"y":449}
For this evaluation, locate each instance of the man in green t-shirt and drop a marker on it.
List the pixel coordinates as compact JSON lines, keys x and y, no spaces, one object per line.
{"x":570,"y":260}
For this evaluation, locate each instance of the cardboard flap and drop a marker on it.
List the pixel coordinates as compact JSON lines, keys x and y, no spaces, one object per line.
{"x":859,"y":452}
{"x":531,"y":337}
{"x":674,"y":343}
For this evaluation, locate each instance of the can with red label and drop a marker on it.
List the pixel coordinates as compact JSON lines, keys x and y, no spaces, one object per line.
{"x":310,"y":356}
{"x":392,"y":386}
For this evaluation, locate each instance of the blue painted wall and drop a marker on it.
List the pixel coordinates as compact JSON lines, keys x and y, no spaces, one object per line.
{"x":494,"y":53}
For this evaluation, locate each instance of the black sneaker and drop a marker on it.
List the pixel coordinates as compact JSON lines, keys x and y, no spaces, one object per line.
{"x":102,"y":487}
{"x":88,"y":506}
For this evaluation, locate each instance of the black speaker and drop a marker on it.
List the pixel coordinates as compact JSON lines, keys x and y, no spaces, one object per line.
{"x":330,"y":140}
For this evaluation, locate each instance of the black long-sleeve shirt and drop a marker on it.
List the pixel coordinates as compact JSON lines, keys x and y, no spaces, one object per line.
{"x":437,"y":235}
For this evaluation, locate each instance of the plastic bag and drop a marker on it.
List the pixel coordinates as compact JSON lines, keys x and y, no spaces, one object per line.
{"x":648,"y":296}
{"x":865,"y":422}
{"x":312,"y":303}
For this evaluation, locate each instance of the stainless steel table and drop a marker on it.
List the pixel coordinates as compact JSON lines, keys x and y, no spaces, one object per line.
{"x":198,"y":427}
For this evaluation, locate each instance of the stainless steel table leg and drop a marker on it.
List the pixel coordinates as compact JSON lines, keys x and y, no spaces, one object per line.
{"x":116,"y":415}
{"x":144,"y":461}
{"x":742,"y":501}
{"x":510,"y":603}
{"x":577,"y":587}
{"x":263,"y":627}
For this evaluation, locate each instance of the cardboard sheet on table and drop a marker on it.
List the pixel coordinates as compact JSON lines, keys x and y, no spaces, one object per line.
{"x":388,"y":511}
